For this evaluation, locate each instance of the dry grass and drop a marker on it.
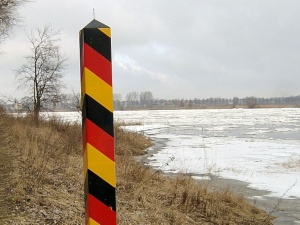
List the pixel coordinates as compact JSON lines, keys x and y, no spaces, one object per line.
{"x":292,"y":163}
{"x":46,"y":185}
{"x":47,"y":179}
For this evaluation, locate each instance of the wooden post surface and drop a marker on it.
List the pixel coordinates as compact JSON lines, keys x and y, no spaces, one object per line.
{"x":97,"y":124}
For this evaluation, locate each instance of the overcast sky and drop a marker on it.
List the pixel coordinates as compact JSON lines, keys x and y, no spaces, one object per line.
{"x":175,"y":49}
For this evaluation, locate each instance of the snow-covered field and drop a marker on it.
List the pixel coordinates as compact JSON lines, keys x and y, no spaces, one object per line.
{"x":259,"y":146}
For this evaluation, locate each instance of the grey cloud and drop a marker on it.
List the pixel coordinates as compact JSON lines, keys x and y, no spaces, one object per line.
{"x":178,"y":49}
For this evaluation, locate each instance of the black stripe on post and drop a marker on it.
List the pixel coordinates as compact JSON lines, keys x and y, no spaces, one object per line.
{"x":98,"y":114}
{"x":99,"y":42}
{"x":100,"y":189}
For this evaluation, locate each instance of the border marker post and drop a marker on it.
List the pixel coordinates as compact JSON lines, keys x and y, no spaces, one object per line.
{"x":97,"y":124}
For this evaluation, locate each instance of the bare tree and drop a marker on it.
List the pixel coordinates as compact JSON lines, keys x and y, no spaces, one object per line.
{"x":235,"y":102}
{"x":75,"y":99}
{"x":8,"y":16}
{"x":117,"y":101}
{"x":146,"y":98}
{"x":42,"y":73}
{"x":132,"y":99}
{"x":251,"y":102}
{"x":117,"y":97}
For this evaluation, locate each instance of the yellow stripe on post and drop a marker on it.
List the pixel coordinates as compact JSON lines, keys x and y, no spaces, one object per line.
{"x":92,"y":155}
{"x":92,"y":222}
{"x":97,"y":89}
{"x":105,"y":31}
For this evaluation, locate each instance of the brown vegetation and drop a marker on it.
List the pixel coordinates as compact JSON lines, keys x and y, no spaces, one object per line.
{"x":46,"y":176}
{"x":292,"y":163}
{"x":45,"y":184}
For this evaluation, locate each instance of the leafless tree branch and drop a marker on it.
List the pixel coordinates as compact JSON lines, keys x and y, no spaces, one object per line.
{"x":8,"y":16}
{"x":42,"y":73}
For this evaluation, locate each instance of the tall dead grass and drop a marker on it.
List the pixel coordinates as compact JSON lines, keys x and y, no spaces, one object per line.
{"x":46,"y":185}
{"x":47,"y":179}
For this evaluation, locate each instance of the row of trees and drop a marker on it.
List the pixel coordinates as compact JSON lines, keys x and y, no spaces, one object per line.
{"x":145,"y":100}
{"x":135,"y":100}
{"x":66,"y":102}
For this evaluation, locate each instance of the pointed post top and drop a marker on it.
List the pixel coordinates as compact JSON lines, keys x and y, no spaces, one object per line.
{"x":96,"y":24}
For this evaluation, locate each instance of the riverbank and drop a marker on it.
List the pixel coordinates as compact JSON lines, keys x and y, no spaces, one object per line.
{"x":285,"y":211}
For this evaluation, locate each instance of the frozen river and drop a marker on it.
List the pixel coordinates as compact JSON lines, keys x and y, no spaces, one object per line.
{"x":258,"y":146}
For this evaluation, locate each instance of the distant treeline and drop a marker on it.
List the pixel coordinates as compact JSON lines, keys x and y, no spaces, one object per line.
{"x":145,"y":100}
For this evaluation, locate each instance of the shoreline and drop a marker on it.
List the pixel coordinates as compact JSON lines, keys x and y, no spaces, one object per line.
{"x":286,"y":211}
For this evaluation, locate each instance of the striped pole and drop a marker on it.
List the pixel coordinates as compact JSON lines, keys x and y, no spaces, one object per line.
{"x":97,"y":124}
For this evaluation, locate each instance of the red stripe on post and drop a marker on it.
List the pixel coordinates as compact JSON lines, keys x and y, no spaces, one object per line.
{"x":99,"y":139}
{"x":96,"y":63}
{"x":100,"y":212}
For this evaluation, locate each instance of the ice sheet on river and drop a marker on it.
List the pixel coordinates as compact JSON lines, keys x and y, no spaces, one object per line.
{"x":260,"y":147}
